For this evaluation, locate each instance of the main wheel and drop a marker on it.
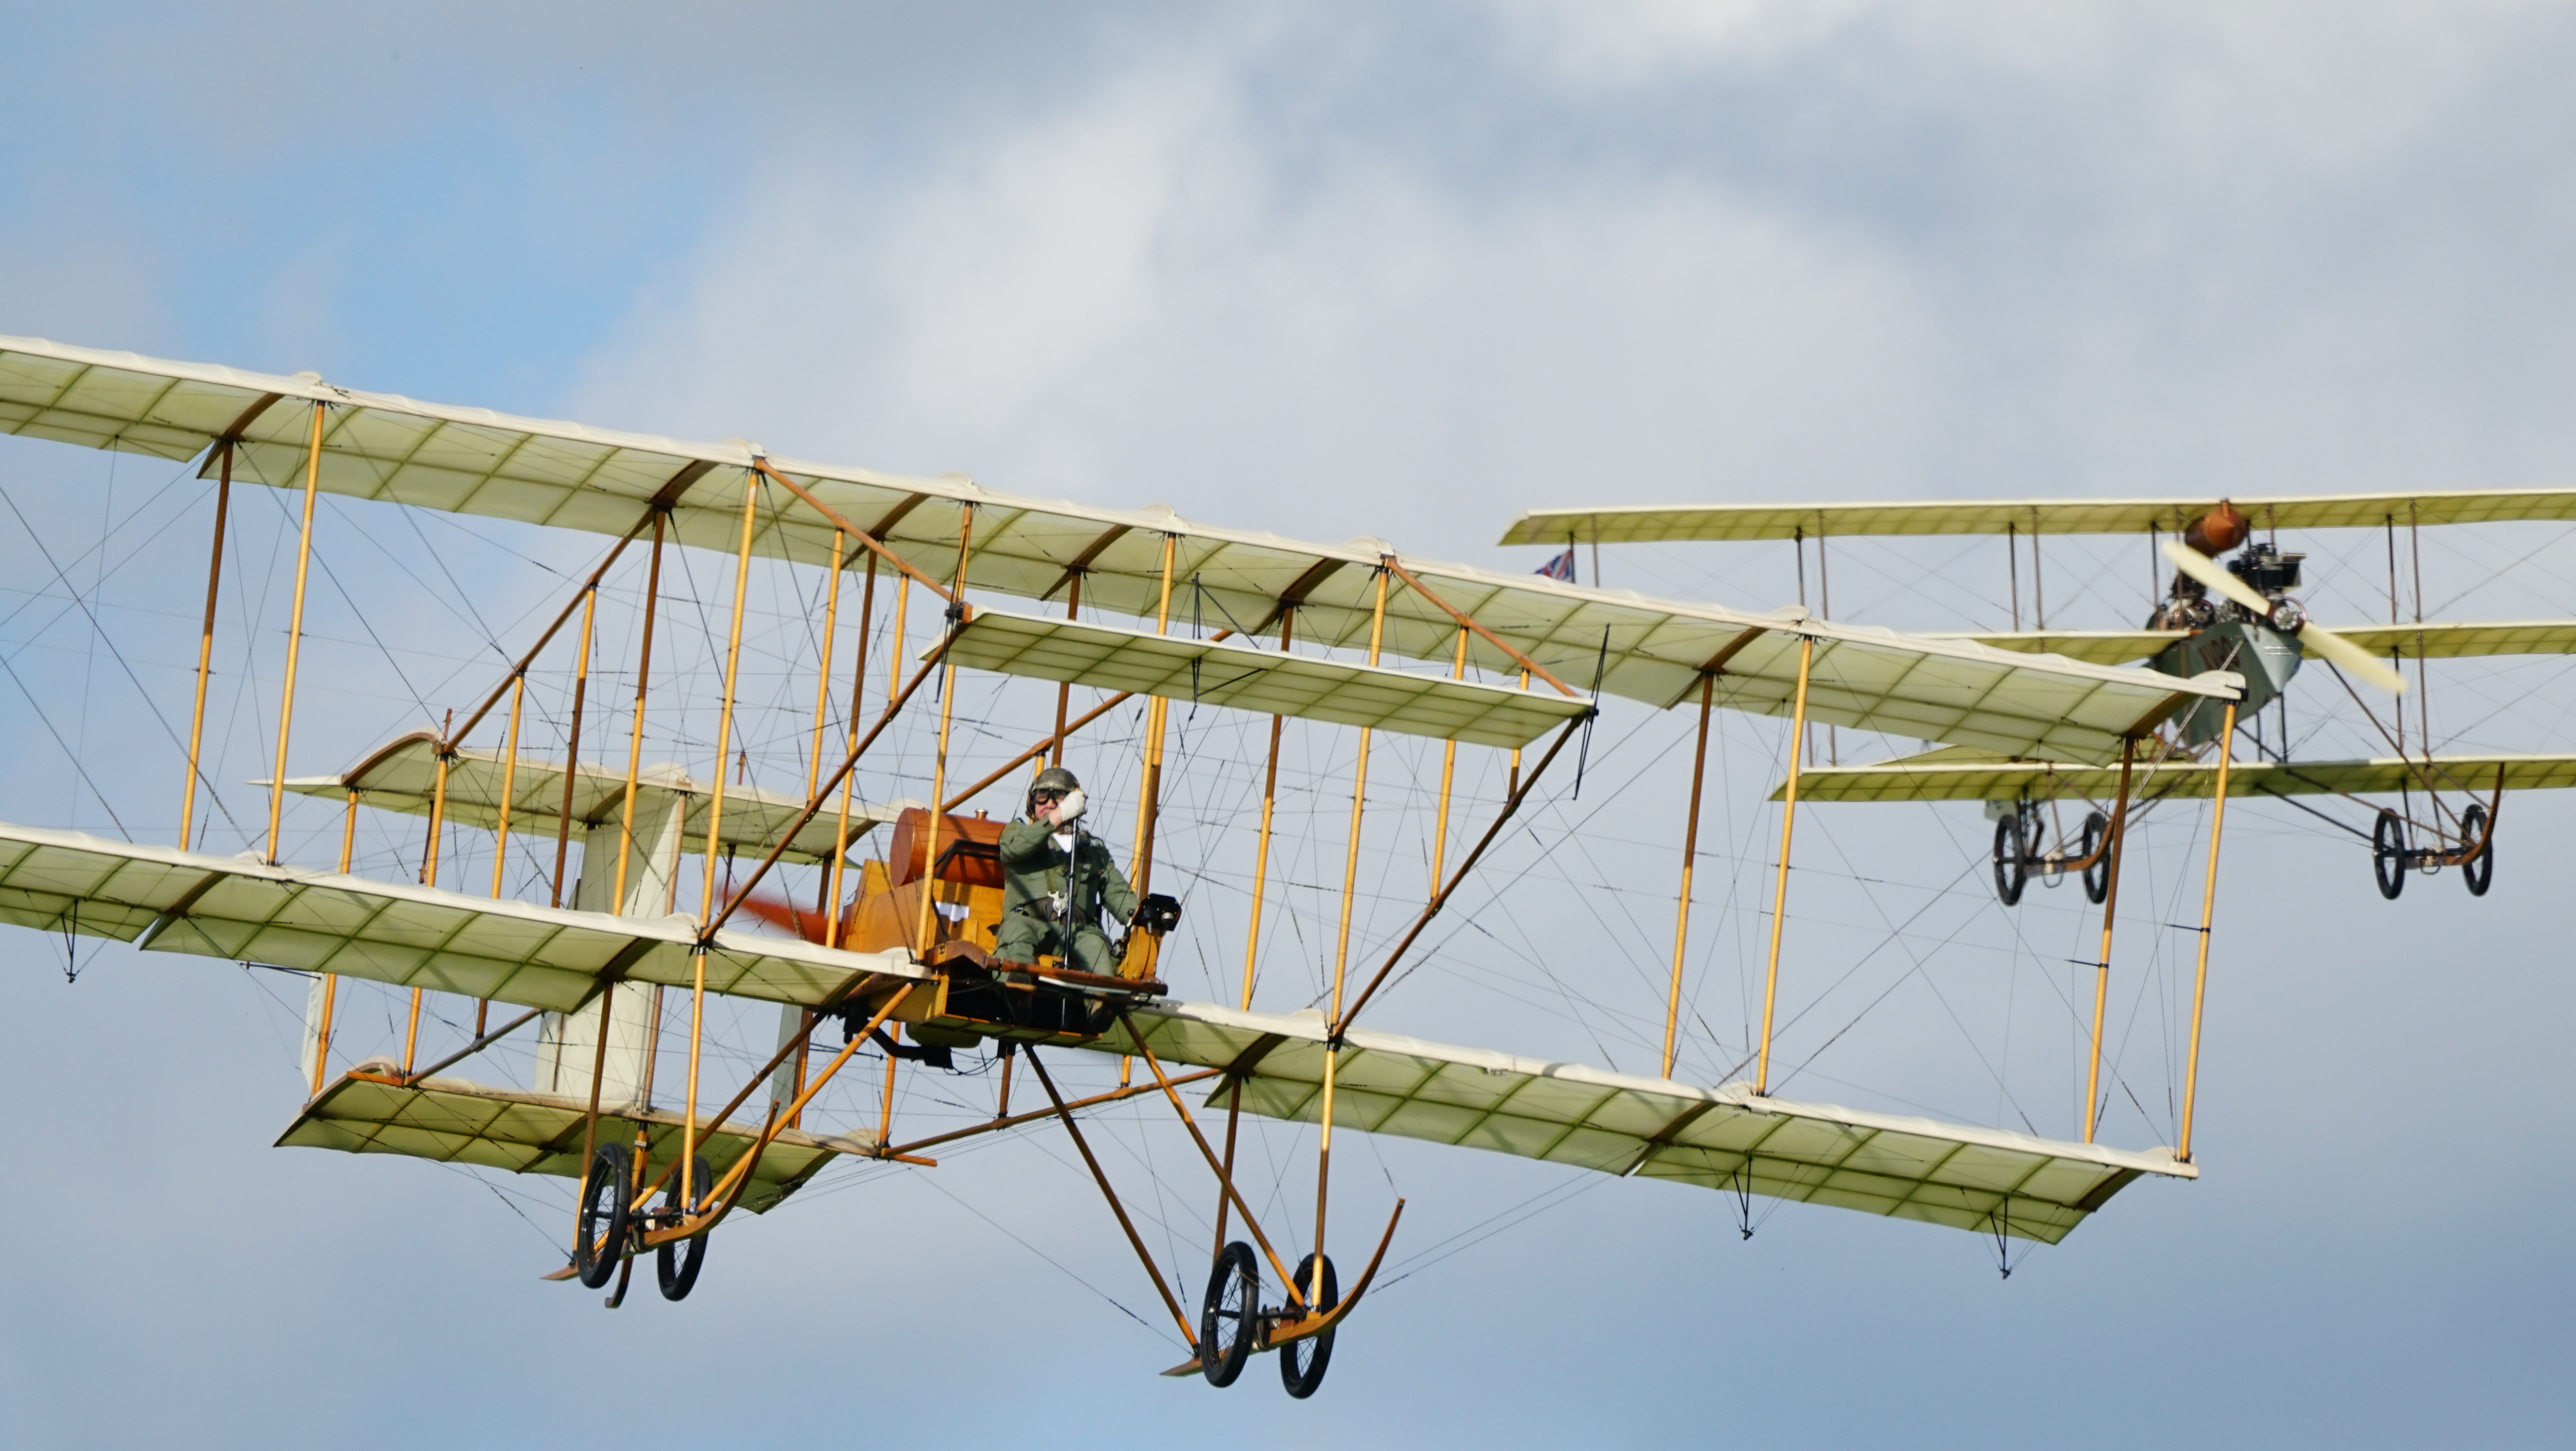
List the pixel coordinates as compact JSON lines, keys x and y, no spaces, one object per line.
{"x":1229,"y":1315}
{"x":2097,"y":877}
{"x":676,"y":1264}
{"x":607,"y":1203}
{"x":2010,"y":873}
{"x":1302,"y":1362}
{"x":2388,"y":854}
{"x":2478,"y":870}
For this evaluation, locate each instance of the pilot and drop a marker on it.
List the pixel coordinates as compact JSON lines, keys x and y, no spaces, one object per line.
{"x":1056,"y":878}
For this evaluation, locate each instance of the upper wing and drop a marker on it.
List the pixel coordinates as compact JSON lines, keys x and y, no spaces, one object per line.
{"x":471,"y":460}
{"x":1724,"y":1138}
{"x":403,"y":777}
{"x":1675,"y":523}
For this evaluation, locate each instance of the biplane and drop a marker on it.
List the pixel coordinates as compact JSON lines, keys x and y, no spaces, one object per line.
{"x":2257,"y":628}
{"x":876,"y":912}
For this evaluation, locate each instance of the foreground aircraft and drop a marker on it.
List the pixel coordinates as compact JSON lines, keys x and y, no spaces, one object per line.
{"x":899,"y":947}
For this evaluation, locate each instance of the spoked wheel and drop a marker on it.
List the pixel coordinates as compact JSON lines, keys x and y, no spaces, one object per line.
{"x":2478,"y":870}
{"x":1230,"y":1315}
{"x":1302,"y":1362}
{"x":607,"y":1203}
{"x":2388,"y":853}
{"x":676,"y":1264}
{"x":2097,"y":877}
{"x":2010,"y":874}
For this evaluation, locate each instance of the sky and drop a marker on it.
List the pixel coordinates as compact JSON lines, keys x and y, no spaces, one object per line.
{"x":1392,"y":270}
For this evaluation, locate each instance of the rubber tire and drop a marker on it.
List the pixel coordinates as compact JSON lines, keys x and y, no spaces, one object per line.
{"x":2478,"y":871}
{"x":599,"y":1232}
{"x":1235,"y":1268}
{"x":2097,"y":877}
{"x":675,"y":1265}
{"x":2011,"y":875}
{"x":2388,"y":853}
{"x":1302,"y":1363}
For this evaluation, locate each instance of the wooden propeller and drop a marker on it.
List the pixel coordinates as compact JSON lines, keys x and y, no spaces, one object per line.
{"x":2310,"y":634}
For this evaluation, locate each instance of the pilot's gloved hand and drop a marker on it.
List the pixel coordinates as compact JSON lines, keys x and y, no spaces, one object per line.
{"x":1070,"y":809}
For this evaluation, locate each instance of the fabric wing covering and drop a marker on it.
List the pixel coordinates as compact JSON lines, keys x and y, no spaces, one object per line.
{"x":2452,"y":641}
{"x":568,"y":475}
{"x":1956,"y":775}
{"x":1680,"y":523}
{"x":453,"y":1121}
{"x":403,"y":777}
{"x":165,"y":900}
{"x":1967,"y":1178}
{"x":1268,"y":681}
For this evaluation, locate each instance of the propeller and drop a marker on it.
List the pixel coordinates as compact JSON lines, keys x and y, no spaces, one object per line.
{"x":2309,"y":634}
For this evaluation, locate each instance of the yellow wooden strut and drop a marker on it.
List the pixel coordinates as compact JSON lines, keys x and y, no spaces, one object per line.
{"x":1342,"y":958}
{"x":2102,"y":969}
{"x":1690,"y":863}
{"x":1448,"y":775}
{"x":294,"y":634}
{"x":1261,"y":854}
{"x":850,"y":779}
{"x":2208,"y":904}
{"x":635,"y":733}
{"x":1780,"y":889}
{"x":206,"y":649}
{"x":926,"y":929}
{"x":331,"y":980}
{"x":715,"y":827}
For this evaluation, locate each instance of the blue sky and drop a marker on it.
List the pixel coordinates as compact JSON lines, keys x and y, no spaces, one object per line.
{"x":1394,"y":270}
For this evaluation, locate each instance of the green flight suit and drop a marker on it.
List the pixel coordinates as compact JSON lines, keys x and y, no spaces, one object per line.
{"x":1034,"y":869}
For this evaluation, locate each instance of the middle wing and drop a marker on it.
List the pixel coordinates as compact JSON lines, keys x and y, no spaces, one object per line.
{"x":1956,"y":775}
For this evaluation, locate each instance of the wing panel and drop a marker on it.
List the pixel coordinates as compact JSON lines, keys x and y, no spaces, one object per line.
{"x":391,"y":932}
{"x":1982,"y":1179}
{"x":567,"y":475}
{"x":450,"y":1120}
{"x":1949,"y":776}
{"x":1666,"y":524}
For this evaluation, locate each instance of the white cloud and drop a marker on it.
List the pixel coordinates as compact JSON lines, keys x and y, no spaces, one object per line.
{"x":1132,"y":296}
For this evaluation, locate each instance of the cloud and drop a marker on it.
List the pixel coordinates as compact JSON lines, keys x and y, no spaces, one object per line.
{"x":1139,"y":294}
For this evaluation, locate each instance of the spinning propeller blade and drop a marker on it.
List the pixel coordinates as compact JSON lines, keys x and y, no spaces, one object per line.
{"x":2310,"y":635}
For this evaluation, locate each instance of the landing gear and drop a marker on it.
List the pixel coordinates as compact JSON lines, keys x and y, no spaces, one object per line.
{"x":2389,"y":857}
{"x":607,"y":1205}
{"x":2011,"y":871}
{"x":1230,"y":1316}
{"x":1302,"y":1362}
{"x":2097,"y":871}
{"x":676,"y":1264}
{"x":2479,"y":870}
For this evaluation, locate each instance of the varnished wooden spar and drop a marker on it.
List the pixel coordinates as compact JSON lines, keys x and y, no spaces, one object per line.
{"x":715,"y":825}
{"x":2110,"y":906}
{"x":206,"y":649}
{"x":1690,"y":864}
{"x":635,"y":732}
{"x":1788,"y":824}
{"x":1342,"y":957}
{"x":294,"y":634}
{"x":2208,"y":904}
